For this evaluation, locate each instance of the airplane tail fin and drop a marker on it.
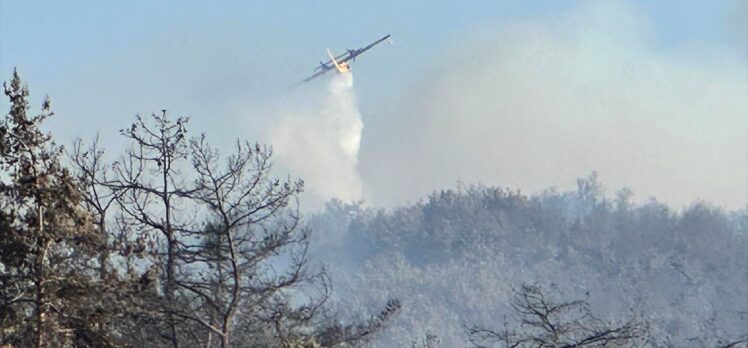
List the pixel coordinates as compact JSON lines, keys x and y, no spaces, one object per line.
{"x":340,"y":67}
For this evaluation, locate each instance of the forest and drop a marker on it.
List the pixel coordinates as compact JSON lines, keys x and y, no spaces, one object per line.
{"x":466,"y":263}
{"x":174,"y":243}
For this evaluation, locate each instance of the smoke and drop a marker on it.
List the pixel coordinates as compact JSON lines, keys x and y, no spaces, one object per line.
{"x":541,"y":102}
{"x":321,"y":143}
{"x":737,"y":23}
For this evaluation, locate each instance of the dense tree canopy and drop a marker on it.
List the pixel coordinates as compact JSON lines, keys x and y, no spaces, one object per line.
{"x":455,"y":258}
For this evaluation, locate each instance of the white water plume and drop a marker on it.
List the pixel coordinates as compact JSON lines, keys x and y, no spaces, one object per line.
{"x":321,"y":145}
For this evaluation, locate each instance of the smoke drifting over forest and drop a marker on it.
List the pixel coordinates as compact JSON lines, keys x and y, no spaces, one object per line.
{"x":321,"y":144}
{"x":537,"y":103}
{"x":589,"y":155}
{"x":455,"y":258}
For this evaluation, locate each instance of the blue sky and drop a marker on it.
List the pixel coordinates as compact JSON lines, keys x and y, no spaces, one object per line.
{"x":125,"y":57}
{"x":228,"y":64}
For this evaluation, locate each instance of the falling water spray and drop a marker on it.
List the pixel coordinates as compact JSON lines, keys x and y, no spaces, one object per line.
{"x":321,"y":145}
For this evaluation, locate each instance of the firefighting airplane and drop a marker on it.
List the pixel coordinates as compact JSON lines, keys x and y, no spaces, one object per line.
{"x":340,"y":62}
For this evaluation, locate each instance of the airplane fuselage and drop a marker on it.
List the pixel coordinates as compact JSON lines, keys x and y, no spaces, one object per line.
{"x":342,"y":67}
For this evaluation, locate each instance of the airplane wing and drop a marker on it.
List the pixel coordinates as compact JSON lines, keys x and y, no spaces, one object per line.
{"x":317,"y":74}
{"x":362,"y":50}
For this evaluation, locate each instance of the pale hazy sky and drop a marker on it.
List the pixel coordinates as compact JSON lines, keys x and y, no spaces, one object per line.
{"x":651,"y":94}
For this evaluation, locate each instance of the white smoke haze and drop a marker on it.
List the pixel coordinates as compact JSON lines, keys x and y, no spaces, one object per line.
{"x":737,"y":23}
{"x":320,"y":144}
{"x":540,"y":103}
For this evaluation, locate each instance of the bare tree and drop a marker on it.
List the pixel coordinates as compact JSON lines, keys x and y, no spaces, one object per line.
{"x":251,"y":220}
{"x":337,"y":335}
{"x":234,"y":257}
{"x":149,"y":187}
{"x":97,"y":192}
{"x":742,"y":342}
{"x":125,"y":296}
{"x":546,"y":323}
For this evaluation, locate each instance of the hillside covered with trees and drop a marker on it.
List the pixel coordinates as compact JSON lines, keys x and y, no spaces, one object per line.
{"x":459,"y":259}
{"x":175,"y":244}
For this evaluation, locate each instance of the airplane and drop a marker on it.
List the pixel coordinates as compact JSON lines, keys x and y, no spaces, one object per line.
{"x":341,"y":61}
